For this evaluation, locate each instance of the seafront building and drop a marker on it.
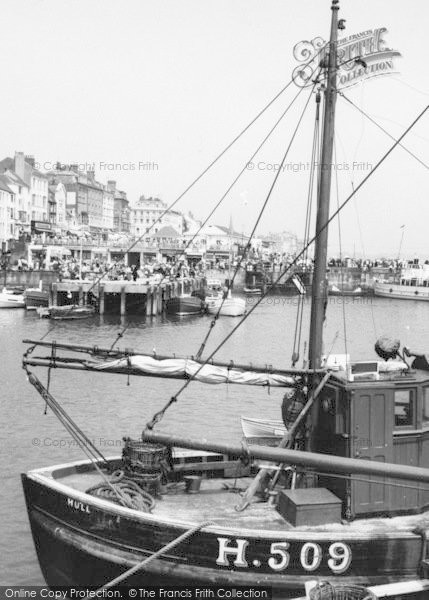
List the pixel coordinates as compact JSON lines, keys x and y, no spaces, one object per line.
{"x":58,"y":205}
{"x":121,"y":208}
{"x":108,"y":209}
{"x":84,"y":194}
{"x":7,"y":208}
{"x":152,"y":212}
{"x":27,"y":209}
{"x":67,"y":212}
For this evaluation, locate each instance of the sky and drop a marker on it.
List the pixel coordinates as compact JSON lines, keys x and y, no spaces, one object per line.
{"x":150,"y":91}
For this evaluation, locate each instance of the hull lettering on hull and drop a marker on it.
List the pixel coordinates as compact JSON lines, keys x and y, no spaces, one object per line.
{"x":310,"y":556}
{"x":77,"y":505}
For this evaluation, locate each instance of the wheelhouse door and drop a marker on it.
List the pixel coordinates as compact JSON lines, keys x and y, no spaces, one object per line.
{"x":371,"y":439}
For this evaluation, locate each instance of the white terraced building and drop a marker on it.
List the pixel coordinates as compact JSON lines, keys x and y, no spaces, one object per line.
{"x":146,"y":212}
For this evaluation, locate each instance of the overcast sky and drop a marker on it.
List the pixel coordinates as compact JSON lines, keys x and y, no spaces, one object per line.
{"x":171,"y":82}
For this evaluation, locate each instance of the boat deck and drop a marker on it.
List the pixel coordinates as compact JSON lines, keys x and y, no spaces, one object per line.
{"x":214,"y":502}
{"x":217,"y":498}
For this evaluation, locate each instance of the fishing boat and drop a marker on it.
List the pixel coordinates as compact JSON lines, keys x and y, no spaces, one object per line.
{"x":36,"y":297}
{"x":11,"y":299}
{"x":229,"y":306}
{"x":223,"y":303}
{"x":184,"y":305}
{"x":342,"y":500}
{"x":411,"y":284}
{"x":214,"y":288}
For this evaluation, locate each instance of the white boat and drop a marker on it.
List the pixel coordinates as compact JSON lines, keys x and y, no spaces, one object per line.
{"x":260,"y":428}
{"x":413,"y":284}
{"x":214,"y":289}
{"x":252,"y":290}
{"x":11,"y":299}
{"x":231,"y":307}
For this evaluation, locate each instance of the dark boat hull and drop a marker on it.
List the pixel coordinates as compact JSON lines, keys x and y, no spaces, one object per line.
{"x":35,"y":298}
{"x":188,"y":305}
{"x":83,"y":541}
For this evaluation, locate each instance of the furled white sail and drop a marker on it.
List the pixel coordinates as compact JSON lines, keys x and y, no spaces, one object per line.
{"x":181,"y":367}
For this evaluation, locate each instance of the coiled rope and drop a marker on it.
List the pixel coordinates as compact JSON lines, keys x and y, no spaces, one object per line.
{"x":121,"y":487}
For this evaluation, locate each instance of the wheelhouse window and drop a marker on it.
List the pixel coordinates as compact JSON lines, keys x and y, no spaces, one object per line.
{"x":426,"y":404}
{"x":404,"y":408}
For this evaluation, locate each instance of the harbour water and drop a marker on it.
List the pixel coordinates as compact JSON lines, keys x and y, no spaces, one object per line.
{"x":108,"y":409}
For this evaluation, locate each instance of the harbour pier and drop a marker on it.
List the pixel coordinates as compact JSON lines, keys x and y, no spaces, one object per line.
{"x":122,"y":294}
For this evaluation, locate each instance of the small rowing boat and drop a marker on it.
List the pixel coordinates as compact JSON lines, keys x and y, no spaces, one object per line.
{"x":66,"y":313}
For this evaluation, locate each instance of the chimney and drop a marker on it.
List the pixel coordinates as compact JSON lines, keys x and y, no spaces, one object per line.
{"x":20,"y":164}
{"x":111,"y":185}
{"x":30,"y":160}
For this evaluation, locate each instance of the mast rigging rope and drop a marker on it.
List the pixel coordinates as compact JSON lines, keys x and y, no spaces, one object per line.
{"x":301,"y":298}
{"x":249,"y":160}
{"x":365,"y":114}
{"x":200,"y":176}
{"x":224,"y":195}
{"x":154,"y":420}
{"x":343,"y":304}
{"x":261,"y":212}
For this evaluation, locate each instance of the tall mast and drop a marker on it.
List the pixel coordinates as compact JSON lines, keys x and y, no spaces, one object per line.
{"x":319,"y":293}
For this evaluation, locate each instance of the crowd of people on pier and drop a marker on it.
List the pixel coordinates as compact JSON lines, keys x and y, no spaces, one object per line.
{"x":70,"y":266}
{"x":154,"y":271}
{"x":393,"y":264}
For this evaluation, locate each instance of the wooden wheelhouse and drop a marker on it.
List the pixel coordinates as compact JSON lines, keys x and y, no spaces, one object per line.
{"x":381,"y":417}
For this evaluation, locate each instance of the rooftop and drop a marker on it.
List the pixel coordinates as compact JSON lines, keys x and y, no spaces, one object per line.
{"x":4,"y":184}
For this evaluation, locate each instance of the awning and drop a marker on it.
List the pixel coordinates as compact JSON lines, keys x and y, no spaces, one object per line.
{"x":59,"y":251}
{"x":41,"y":227}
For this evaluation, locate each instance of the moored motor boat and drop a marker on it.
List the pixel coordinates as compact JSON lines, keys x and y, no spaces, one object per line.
{"x":35,"y":297}
{"x":11,"y":299}
{"x":184,"y":305}
{"x":252,"y":290}
{"x":214,"y":289}
{"x":228,"y":307}
{"x":411,"y":284}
